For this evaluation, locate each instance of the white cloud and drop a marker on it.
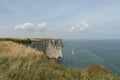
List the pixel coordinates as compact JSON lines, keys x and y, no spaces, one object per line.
{"x":24,"y":30}
{"x":79,"y":27}
{"x":31,"y":26}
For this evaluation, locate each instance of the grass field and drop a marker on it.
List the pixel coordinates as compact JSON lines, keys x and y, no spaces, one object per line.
{"x":18,"y":62}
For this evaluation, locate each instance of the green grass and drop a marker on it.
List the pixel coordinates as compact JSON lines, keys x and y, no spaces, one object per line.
{"x":26,"y":40}
{"x":18,"y":62}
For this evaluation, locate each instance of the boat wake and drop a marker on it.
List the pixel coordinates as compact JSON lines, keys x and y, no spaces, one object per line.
{"x":73,"y":51}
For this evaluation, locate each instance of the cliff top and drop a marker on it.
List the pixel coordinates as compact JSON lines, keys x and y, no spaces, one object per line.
{"x":27,"y":39}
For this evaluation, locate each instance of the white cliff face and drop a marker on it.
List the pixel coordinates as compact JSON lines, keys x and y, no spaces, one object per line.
{"x":51,"y":47}
{"x":54,"y":52}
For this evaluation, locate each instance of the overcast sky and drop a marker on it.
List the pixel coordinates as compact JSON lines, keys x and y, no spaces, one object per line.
{"x":66,"y":19}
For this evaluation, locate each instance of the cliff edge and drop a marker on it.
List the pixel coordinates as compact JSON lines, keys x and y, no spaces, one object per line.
{"x":51,"y":47}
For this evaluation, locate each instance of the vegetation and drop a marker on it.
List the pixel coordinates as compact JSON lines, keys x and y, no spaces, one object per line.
{"x":18,"y":62}
{"x":26,"y":40}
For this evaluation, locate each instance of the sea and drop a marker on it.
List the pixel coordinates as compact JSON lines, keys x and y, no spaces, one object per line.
{"x":83,"y":53}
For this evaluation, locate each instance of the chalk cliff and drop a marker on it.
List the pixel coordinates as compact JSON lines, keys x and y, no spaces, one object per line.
{"x":51,"y":47}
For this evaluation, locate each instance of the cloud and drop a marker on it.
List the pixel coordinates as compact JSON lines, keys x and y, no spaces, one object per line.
{"x":79,"y":27}
{"x":31,"y":26}
{"x":24,"y":30}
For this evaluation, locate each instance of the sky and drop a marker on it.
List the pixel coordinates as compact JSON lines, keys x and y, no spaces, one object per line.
{"x":66,"y":19}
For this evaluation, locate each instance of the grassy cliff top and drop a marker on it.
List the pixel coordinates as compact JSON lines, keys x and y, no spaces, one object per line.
{"x":27,"y":39}
{"x":18,"y":62}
